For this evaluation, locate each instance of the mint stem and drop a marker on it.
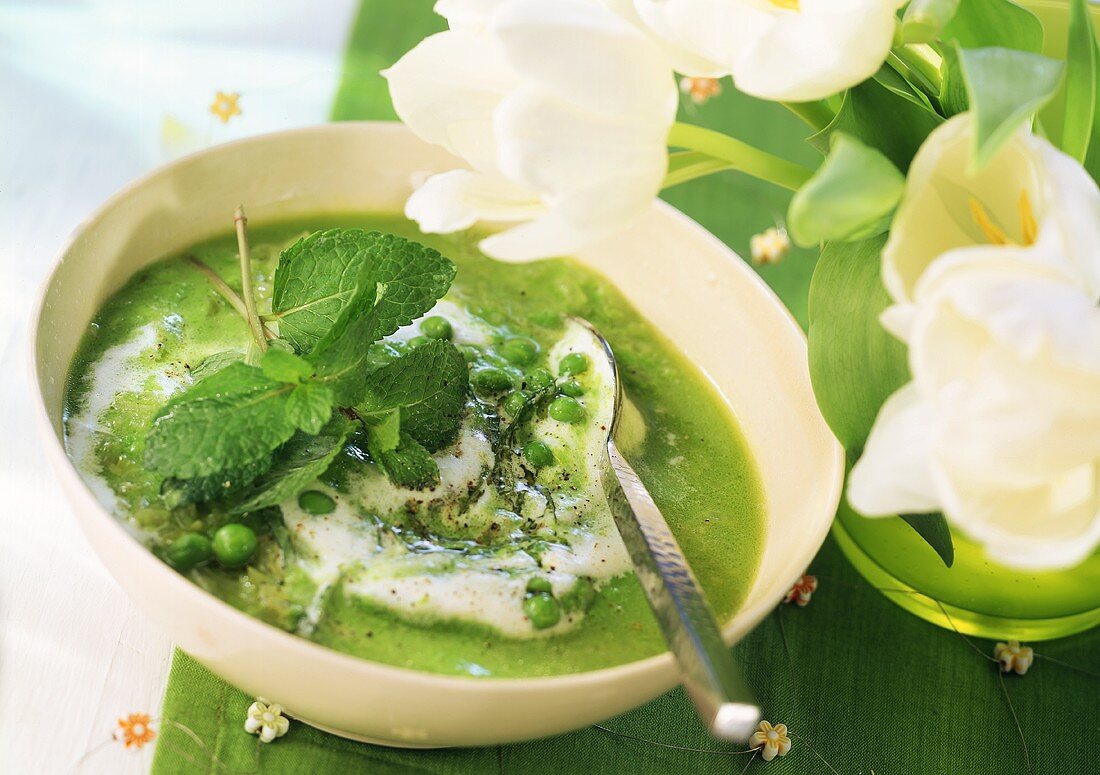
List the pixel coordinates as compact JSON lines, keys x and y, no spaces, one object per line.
{"x":226,"y":292}
{"x":246,"y":279}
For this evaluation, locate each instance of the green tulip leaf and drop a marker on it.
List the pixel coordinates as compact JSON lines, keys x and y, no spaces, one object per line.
{"x":1005,"y":88}
{"x":879,"y":116}
{"x":854,"y":363}
{"x":981,"y":23}
{"x":953,"y":98}
{"x":850,"y":197}
{"x":935,"y":532}
{"x":925,"y":19}
{"x":1092,"y":154}
{"x":1080,"y":86}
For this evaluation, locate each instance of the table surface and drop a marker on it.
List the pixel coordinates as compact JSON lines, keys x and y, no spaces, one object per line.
{"x":93,"y":95}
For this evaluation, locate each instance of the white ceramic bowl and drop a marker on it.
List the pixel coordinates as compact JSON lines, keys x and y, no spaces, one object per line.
{"x":683,"y":279}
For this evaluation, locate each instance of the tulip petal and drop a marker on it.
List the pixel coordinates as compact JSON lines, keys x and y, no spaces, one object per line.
{"x":821,"y":49}
{"x":703,"y":37}
{"x":597,"y":174}
{"x":1072,"y":216}
{"x":893,"y":475}
{"x":553,"y":146}
{"x":588,"y":56}
{"x":1009,"y":350}
{"x":1054,"y":525}
{"x":467,"y":14}
{"x":446,"y":89}
{"x":935,"y":213}
{"x":456,"y":200}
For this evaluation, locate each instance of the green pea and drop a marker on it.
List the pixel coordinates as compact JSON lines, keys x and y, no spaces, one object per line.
{"x":566,"y":409}
{"x":316,"y":502}
{"x":436,"y":327}
{"x":188,"y":551}
{"x":492,"y":380}
{"x":418,"y":340}
{"x":540,"y":584}
{"x":571,"y":388}
{"x":574,"y":363}
{"x":235,"y":545}
{"x":538,"y":454}
{"x":515,"y":402}
{"x":520,"y":350}
{"x":538,"y":379}
{"x":469,"y":352}
{"x":542,"y":609}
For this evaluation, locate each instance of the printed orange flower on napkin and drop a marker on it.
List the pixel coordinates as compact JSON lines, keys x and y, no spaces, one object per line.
{"x":134,"y":730}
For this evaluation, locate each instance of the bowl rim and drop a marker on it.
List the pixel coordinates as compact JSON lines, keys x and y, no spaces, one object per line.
{"x":746,"y":618}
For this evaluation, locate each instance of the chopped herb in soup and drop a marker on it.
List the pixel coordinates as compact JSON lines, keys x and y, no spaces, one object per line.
{"x":396,"y":453}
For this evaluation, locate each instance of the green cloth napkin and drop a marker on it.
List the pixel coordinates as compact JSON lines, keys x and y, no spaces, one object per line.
{"x":863,"y":686}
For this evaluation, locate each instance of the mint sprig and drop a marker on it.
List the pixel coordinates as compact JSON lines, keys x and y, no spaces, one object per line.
{"x":427,"y":387}
{"x":254,"y":435}
{"x":228,"y":420}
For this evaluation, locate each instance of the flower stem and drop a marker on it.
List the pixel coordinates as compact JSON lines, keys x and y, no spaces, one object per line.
{"x":246,"y":279}
{"x":817,"y":114}
{"x":689,"y":165}
{"x":740,"y":156}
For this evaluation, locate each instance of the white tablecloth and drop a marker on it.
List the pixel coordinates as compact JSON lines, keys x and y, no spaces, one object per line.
{"x":91,"y":95}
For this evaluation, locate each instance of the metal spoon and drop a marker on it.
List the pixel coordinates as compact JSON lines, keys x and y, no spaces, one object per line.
{"x":710,"y":676}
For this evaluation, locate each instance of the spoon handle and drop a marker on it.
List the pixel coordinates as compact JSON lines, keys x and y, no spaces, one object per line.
{"x":710,"y":676}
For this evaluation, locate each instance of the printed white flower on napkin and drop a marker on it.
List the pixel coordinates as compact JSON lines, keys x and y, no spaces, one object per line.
{"x":561,"y":109}
{"x":792,"y":50}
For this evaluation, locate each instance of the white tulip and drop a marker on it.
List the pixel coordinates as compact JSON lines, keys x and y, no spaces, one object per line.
{"x":1000,"y":427}
{"x":791,"y":50}
{"x":562,"y":110}
{"x":467,"y":14}
{"x":1030,"y":192}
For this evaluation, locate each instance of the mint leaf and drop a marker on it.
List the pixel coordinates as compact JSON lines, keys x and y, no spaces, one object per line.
{"x":298,"y":463}
{"x":179,"y":492}
{"x":310,"y":407}
{"x":284,"y":366}
{"x":428,"y":385}
{"x":319,"y":287}
{"x":409,"y":279}
{"x":408,"y":465}
{"x":215,"y":362}
{"x":227,"y":420}
{"x":329,"y":280}
{"x":384,"y":430}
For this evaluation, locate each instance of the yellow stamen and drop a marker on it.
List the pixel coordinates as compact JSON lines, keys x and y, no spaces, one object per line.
{"x":791,"y":5}
{"x":989,"y":229}
{"x":1028,"y":227}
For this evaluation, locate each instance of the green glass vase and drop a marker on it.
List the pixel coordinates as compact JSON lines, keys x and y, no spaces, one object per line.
{"x":976,"y":595}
